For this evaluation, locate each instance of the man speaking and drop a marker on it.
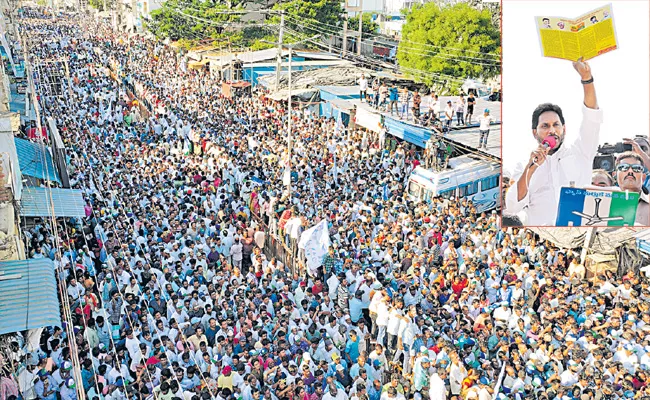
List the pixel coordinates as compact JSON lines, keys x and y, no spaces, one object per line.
{"x":535,"y":190}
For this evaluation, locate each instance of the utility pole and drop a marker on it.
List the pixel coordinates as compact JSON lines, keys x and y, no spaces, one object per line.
{"x":27,"y":77}
{"x":289,"y":106}
{"x":134,"y":10}
{"x":360,"y":27}
{"x":278,"y":65}
{"x":345,"y":35}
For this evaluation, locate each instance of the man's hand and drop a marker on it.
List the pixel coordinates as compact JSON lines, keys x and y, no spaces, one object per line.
{"x":583,"y":69}
{"x":638,"y":150}
{"x":538,"y":157}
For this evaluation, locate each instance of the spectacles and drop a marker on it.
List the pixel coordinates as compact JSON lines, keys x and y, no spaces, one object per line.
{"x":625,"y":167}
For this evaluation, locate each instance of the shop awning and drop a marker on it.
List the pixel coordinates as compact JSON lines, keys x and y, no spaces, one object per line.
{"x":35,"y":160}
{"x":28,"y":295}
{"x":65,"y":202}
{"x":198,"y":64}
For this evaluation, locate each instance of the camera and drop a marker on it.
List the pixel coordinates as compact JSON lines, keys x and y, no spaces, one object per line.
{"x":606,"y":157}
{"x":619,"y":147}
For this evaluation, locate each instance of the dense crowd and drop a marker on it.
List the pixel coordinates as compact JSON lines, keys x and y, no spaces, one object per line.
{"x":172,"y":294}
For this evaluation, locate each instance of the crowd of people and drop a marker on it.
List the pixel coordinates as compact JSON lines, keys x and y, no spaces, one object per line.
{"x":173,"y":292}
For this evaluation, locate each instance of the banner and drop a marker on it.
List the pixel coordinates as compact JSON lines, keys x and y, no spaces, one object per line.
{"x":587,"y":36}
{"x":586,"y":207}
{"x":315,"y":241}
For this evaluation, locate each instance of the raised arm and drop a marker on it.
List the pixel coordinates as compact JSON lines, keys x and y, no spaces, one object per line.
{"x":587,"y":80}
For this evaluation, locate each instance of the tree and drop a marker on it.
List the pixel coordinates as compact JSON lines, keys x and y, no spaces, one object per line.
{"x":169,"y":21}
{"x":311,"y":16}
{"x":449,"y":42}
{"x":369,"y":26}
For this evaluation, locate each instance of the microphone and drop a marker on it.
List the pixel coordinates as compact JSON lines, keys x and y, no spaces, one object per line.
{"x":549,"y":142}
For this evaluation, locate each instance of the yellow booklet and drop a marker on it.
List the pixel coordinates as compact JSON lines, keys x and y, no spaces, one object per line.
{"x":587,"y":36}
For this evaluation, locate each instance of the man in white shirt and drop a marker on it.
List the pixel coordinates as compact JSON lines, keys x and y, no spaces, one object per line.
{"x":437,"y":388}
{"x":535,"y":192}
{"x":363,"y":87}
{"x":484,"y":128}
{"x":449,"y":114}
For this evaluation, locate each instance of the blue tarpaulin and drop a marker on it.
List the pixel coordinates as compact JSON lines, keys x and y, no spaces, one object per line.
{"x":643,"y":241}
{"x":35,"y":160}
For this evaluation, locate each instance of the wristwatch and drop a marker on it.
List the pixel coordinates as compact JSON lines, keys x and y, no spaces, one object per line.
{"x":588,"y":81}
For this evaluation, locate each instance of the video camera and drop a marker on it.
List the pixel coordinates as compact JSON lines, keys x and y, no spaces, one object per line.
{"x":606,"y":157}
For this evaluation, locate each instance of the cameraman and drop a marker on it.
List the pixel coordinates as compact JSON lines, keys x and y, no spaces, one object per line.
{"x":641,"y":146}
{"x":630,"y":175}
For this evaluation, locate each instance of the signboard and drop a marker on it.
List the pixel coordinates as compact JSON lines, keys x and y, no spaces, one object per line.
{"x":587,"y":207}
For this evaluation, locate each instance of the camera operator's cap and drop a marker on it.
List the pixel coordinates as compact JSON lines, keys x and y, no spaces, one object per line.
{"x":487,"y":110}
{"x":42,"y":372}
{"x":70,"y":383}
{"x":340,"y":367}
{"x":67,"y":366}
{"x":195,"y":320}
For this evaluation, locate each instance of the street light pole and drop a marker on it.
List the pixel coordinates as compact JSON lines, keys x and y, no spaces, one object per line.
{"x":289,"y":105}
{"x":279,"y":58}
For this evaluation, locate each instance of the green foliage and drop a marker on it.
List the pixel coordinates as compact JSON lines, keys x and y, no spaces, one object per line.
{"x":99,"y":4}
{"x":446,"y":40}
{"x":368,"y":26}
{"x":167,"y":22}
{"x":310,"y":13}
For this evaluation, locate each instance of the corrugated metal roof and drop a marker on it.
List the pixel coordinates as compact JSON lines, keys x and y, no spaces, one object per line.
{"x":30,"y":300}
{"x":341,"y":91}
{"x":606,"y":240}
{"x":67,"y":202}
{"x":31,"y":158}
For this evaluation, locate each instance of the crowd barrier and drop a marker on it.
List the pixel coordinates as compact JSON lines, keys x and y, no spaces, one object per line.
{"x":276,"y":247}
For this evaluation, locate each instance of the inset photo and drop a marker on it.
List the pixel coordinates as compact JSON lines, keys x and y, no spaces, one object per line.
{"x":576,"y":143}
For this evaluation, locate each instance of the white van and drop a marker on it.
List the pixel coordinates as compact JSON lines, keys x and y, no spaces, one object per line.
{"x":468,"y":176}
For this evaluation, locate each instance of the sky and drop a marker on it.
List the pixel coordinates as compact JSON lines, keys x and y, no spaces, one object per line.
{"x":621,"y":77}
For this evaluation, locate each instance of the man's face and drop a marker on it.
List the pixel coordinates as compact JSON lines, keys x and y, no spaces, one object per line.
{"x":626,"y":176}
{"x":549,"y":124}
{"x":600,"y":179}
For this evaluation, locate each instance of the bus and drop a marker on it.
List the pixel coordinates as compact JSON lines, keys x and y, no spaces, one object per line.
{"x":467,"y":177}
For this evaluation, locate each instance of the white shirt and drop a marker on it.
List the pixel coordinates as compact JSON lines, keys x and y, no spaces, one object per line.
{"x":485,"y":122}
{"x":363,"y":84}
{"x":571,"y":163}
{"x":437,"y":389}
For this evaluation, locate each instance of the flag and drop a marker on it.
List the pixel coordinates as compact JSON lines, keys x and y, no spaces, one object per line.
{"x":385,"y":192}
{"x":339,"y":124}
{"x":286,"y":177}
{"x":586,"y":207}
{"x":315,"y":241}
